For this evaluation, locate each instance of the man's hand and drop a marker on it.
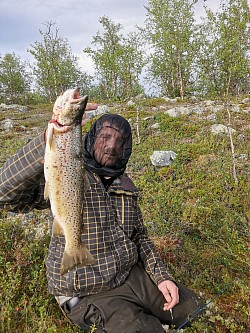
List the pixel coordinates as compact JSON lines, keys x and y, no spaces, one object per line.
{"x":170,"y":292}
{"x":89,"y":106}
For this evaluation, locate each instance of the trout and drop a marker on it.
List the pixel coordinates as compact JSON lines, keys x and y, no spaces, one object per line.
{"x":65,"y":177}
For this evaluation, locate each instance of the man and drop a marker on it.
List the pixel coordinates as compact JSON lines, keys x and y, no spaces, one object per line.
{"x":128,"y":288}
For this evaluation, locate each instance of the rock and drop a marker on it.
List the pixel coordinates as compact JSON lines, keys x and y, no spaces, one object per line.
{"x":235,"y":108}
{"x":166,"y":328}
{"x":16,"y":107}
{"x":197,"y":109}
{"x":184,"y":110}
{"x":208,"y":103}
{"x":245,"y":100}
{"x":7,"y":124}
{"x":221,"y":129}
{"x":155,"y":126}
{"x":149,"y":118}
{"x":243,"y":157}
{"x":212,"y":117}
{"x":216,"y":108}
{"x":131,"y":103}
{"x":170,"y":100}
{"x":178,"y":111}
{"x":242,"y":137}
{"x":162,"y":158}
{"x":246,"y":110}
{"x":194,"y":99}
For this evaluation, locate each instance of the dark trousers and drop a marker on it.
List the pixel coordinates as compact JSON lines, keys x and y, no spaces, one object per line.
{"x":134,"y":307}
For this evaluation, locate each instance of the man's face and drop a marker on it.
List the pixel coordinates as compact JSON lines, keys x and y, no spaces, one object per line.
{"x":108,"y":147}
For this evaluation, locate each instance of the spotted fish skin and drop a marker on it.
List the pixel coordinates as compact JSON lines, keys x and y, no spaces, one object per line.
{"x":65,"y":177}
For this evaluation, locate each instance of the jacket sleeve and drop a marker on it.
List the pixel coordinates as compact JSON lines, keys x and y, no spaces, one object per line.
{"x":22,"y":178}
{"x":151,"y":260}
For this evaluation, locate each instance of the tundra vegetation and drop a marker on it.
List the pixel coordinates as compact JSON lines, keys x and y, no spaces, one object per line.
{"x":196,"y":212}
{"x":196,"y":209}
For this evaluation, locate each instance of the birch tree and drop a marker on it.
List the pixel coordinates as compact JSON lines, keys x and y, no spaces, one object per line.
{"x":15,"y":79}
{"x":118,"y":60}
{"x":170,"y":29}
{"x":224,"y":55}
{"x":56,"y":68}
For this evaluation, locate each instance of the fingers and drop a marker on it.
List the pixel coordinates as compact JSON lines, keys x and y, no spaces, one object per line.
{"x":91,"y":106}
{"x":170,"y":293}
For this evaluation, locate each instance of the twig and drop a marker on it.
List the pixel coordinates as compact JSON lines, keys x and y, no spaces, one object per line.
{"x":137,"y":128}
{"x":228,"y":128}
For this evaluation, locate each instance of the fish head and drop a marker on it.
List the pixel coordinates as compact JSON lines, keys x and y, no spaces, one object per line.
{"x":69,"y":107}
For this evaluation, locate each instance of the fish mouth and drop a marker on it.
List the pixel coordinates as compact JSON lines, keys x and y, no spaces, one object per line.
{"x":80,"y":104}
{"x":56,"y":122}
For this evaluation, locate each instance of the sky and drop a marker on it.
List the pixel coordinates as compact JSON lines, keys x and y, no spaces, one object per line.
{"x":76,"y":20}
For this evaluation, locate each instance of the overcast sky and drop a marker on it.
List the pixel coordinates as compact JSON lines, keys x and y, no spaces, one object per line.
{"x":77,"y":20}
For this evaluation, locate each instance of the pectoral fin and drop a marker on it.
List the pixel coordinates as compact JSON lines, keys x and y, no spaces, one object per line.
{"x":50,"y":132}
{"x":57,"y":230}
{"x":46,"y":191}
{"x":86,"y":182}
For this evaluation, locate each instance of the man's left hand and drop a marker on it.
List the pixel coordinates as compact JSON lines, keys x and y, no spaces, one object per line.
{"x":170,"y":292}
{"x":89,"y":106}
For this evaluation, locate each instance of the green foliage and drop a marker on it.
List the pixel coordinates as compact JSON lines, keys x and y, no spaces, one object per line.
{"x":14,"y":79}
{"x":118,"y":61}
{"x":56,"y":67}
{"x":169,"y":30}
{"x":224,"y":60}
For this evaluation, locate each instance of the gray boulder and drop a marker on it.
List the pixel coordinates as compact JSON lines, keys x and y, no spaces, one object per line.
{"x":14,"y":107}
{"x":221,"y":129}
{"x":184,"y":111}
{"x":7,"y":124}
{"x":245,"y":100}
{"x":178,"y":111}
{"x":162,"y":158}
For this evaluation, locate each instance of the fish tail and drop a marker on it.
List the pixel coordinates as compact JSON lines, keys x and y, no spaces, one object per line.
{"x":79,"y":256}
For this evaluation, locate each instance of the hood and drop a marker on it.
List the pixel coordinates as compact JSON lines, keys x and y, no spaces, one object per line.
{"x":121,"y":125}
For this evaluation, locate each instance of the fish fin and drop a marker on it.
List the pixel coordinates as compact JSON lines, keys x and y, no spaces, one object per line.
{"x":76,"y":257}
{"x":84,"y":229}
{"x":57,"y":230}
{"x":50,"y":132}
{"x":86,"y":182}
{"x":46,"y":191}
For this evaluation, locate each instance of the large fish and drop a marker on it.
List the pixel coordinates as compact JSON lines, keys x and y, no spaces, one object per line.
{"x":65,"y":176}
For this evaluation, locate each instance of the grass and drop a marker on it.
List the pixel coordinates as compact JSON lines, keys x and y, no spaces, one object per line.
{"x":195,"y":212}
